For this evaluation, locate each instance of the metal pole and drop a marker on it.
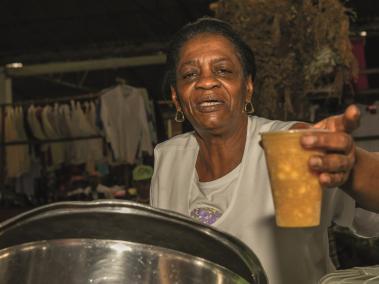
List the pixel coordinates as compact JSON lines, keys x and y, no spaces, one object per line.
{"x":5,"y":97}
{"x":5,"y":87}
{"x":2,"y":152}
{"x":85,"y":65}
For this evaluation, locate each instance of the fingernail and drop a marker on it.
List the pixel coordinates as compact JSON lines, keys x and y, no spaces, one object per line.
{"x":315,"y":162}
{"x":325,"y":179}
{"x":308,"y":140}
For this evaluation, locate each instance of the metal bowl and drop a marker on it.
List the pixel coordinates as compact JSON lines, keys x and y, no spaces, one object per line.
{"x":104,"y":261}
{"x":119,"y":242}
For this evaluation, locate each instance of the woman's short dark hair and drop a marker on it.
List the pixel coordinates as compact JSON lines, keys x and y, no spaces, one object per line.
{"x":212,"y":26}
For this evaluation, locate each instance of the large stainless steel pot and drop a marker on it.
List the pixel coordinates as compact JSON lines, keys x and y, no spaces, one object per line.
{"x":119,"y":242}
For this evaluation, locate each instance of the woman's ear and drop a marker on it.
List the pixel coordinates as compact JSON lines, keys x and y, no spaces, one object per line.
{"x":175,"y":98}
{"x":249,"y":88}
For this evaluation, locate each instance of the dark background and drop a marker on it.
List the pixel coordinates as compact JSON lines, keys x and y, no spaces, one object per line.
{"x":53,"y":31}
{"x":62,"y":31}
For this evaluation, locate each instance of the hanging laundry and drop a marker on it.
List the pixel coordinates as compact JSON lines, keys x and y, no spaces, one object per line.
{"x":34,"y":124}
{"x":57,"y":149}
{"x":17,"y":158}
{"x":124,"y":118}
{"x":150,"y":113}
{"x":49,"y":132}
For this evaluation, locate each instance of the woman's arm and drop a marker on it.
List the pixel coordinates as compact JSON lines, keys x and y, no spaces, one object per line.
{"x":363,"y":182}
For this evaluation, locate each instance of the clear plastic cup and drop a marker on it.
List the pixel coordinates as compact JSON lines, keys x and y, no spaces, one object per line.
{"x":297,"y":193}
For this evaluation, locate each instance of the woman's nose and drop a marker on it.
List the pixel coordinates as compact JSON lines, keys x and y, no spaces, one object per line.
{"x":207,"y":81}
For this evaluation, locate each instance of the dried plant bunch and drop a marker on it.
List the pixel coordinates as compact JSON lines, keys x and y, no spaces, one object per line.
{"x":301,"y":47}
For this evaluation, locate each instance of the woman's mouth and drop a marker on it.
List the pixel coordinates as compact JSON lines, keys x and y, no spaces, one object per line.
{"x":210,"y":105}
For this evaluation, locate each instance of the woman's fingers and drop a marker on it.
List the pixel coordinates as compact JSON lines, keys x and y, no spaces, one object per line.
{"x":334,"y":168}
{"x":346,"y":122}
{"x":337,"y":144}
{"x":339,"y":158}
{"x":333,"y":180}
{"x":332,"y":163}
{"x":328,"y":141}
{"x":351,"y":118}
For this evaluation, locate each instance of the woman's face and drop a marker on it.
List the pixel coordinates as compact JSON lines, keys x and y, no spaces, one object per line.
{"x":211,"y":88}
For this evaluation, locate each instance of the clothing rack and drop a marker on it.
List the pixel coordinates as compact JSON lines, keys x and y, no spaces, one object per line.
{"x":4,"y":144}
{"x":9,"y":72}
{"x":36,"y":141}
{"x":49,"y":100}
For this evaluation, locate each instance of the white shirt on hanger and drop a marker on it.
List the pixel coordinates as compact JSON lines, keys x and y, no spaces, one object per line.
{"x":125,"y":123}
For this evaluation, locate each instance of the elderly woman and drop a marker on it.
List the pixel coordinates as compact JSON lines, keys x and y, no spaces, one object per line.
{"x":217,"y":174}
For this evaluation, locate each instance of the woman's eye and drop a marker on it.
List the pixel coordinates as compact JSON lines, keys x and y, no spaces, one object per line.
{"x":223,"y":71}
{"x":189,"y":75}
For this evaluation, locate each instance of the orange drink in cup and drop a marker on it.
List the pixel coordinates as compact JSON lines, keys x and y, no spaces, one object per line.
{"x":296,"y":191}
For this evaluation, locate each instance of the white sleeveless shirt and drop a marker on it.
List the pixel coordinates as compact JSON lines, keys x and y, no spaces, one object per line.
{"x":287,"y":255}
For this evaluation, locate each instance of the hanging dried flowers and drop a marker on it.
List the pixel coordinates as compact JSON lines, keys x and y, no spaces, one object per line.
{"x":302,"y":48}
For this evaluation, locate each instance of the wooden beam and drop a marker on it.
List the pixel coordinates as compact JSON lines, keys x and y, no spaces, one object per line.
{"x":85,"y":65}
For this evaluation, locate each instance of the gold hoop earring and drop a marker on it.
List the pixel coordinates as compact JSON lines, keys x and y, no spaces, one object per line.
{"x":179,"y":116}
{"x":248,"y":108}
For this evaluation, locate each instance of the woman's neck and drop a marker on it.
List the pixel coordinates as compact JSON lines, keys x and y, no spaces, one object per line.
{"x":220,"y":154}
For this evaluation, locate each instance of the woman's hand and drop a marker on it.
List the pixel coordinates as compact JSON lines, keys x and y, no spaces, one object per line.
{"x":336,"y":165}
